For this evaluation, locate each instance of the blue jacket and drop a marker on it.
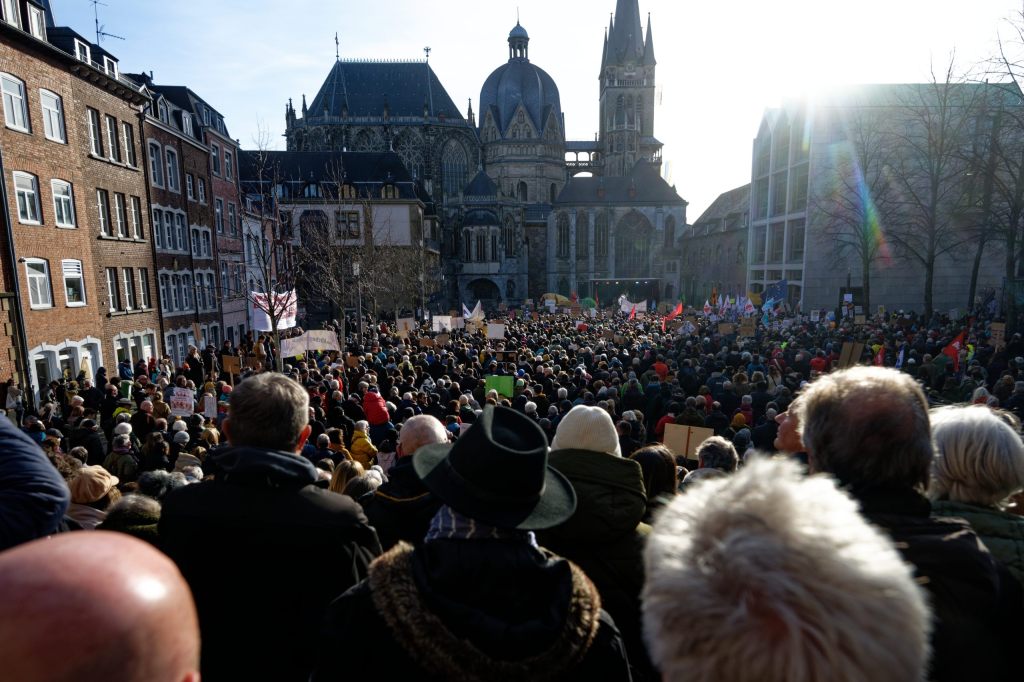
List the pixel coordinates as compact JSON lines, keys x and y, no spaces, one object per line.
{"x":33,"y":496}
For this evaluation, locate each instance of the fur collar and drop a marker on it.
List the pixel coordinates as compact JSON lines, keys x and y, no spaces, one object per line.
{"x":442,"y":654}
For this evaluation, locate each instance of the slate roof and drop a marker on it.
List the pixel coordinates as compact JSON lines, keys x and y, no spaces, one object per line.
{"x":358,"y":168}
{"x":481,"y":186}
{"x":364,"y":87}
{"x":519,"y":81}
{"x":625,"y":41}
{"x":643,"y":185}
{"x":734,"y":201}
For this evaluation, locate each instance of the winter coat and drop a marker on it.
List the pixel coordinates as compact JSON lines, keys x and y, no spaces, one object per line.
{"x":402,"y":508}
{"x":375,"y":408}
{"x":977,"y":605}
{"x":264,"y":550}
{"x":33,"y":496}
{"x":124,"y":465}
{"x":91,"y":440}
{"x":471,"y":610}
{"x":362,"y":450}
{"x":1002,"y":532}
{"x":605,"y":537}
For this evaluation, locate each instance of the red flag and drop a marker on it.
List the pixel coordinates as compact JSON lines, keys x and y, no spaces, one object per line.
{"x":952,"y":351}
{"x":632,"y":313}
{"x":663,"y":325}
{"x":880,"y":358}
{"x":676,"y":312}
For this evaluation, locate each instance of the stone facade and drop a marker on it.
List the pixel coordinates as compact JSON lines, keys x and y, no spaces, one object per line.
{"x":713,"y":256}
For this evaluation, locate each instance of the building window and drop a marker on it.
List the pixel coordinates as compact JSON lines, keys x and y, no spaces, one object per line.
{"x":137,"y":230}
{"x":670,"y":232}
{"x":95,"y":134}
{"x":562,"y":240}
{"x":144,"y":300}
{"x":202,"y":190}
{"x":165,"y":293}
{"x":113,"y":294}
{"x":110,"y":67}
{"x":225,"y":282}
{"x":186,"y":124}
{"x":798,"y":188}
{"x":82,"y":51}
{"x":508,"y":235}
{"x":128,"y":280}
{"x":26,"y":190}
{"x":182,"y":232}
{"x":777,"y":239}
{"x":38,"y":273}
{"x":207,"y":242}
{"x":481,"y":248}
{"x":158,"y":228}
{"x":103,"y":206}
{"x":468,"y":243}
{"x":218,"y":215}
{"x":63,"y":203}
{"x":190,"y":189}
{"x":156,"y":168}
{"x":161,"y":108}
{"x":522,"y":192}
{"x":53,"y":116}
{"x":229,"y":172}
{"x":601,"y":236}
{"x":113,"y":143}
{"x":11,"y":14}
{"x":120,"y":215}
{"x":15,"y":106}
{"x":211,"y":286}
{"x":215,"y":157}
{"x":74,"y":282}
{"x":129,"y":144}
{"x":796,"y":240}
{"x":232,"y":219}
{"x":173,"y":183}
{"x":186,"y":292}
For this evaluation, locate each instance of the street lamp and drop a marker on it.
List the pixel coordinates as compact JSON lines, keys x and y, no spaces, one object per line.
{"x":359,"y":300}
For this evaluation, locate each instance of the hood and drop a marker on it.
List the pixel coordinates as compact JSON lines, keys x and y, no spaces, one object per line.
{"x":610,"y":494}
{"x":486,"y":609}
{"x":276,"y":468}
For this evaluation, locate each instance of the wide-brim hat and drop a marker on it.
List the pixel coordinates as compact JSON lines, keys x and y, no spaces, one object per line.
{"x":497,"y":472}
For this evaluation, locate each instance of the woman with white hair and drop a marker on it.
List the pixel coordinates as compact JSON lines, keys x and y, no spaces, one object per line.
{"x":979,"y":465}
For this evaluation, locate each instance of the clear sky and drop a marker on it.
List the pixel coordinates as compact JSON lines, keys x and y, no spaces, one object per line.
{"x":720,"y":62}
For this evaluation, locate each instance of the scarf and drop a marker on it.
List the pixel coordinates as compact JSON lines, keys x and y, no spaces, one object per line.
{"x":449,"y":524}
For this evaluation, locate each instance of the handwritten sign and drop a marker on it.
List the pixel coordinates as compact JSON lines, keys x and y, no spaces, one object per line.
{"x":182,"y":402}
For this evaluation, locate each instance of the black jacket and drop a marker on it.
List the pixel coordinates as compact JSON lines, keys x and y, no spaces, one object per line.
{"x":469,"y":610}
{"x":402,"y":508}
{"x":977,"y":604}
{"x":93,"y":441}
{"x":264,"y":551}
{"x":33,"y":496}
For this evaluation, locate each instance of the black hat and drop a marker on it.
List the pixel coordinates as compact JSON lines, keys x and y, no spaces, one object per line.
{"x":497,"y":472}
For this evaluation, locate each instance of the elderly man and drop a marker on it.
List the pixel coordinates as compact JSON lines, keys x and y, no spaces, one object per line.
{"x":263,"y":548}
{"x":869,"y":428}
{"x":402,"y":508}
{"x":124,"y":613}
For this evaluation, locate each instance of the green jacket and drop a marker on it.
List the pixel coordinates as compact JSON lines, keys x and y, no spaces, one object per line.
{"x":1002,"y":532}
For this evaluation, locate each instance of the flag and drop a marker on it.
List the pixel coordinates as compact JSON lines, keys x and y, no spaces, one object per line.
{"x":952,"y":351}
{"x":880,"y":357}
{"x":777,"y":290}
{"x":465,"y":312}
{"x":900,"y":357}
{"x":676,"y":312}
{"x":707,"y":307}
{"x":748,"y":307}
{"x":632,"y":313}
{"x":663,"y":325}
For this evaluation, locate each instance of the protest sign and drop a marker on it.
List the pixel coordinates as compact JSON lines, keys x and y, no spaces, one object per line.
{"x":182,"y":402}
{"x":495,"y":331}
{"x":998,"y":331}
{"x":725,"y":328}
{"x":458,"y":323}
{"x":442,"y":339}
{"x":748,"y":327}
{"x":684,"y":440}
{"x":504,"y":385}
{"x":442,"y":323}
{"x":232,"y":364}
{"x":406,"y":324}
{"x":426,"y":342}
{"x":352,"y":361}
{"x":209,"y":406}
{"x":850,"y":355}
{"x":815,"y":315}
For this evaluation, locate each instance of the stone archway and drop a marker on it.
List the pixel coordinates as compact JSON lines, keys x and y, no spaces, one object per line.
{"x":484,"y":289}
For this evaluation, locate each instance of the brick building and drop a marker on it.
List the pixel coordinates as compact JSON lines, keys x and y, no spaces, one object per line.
{"x":76,"y":199}
{"x":184,"y":247}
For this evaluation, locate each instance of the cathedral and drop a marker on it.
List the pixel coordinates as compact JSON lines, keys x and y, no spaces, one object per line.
{"x":523,"y":211}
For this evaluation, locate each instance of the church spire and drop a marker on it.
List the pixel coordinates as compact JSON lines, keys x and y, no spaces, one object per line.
{"x":649,"y":59}
{"x":625,"y":40}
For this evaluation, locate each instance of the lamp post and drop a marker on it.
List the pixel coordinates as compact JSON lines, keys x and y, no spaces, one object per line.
{"x":359,"y":300}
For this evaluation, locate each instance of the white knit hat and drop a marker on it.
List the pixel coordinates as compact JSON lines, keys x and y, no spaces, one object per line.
{"x":587,"y":428}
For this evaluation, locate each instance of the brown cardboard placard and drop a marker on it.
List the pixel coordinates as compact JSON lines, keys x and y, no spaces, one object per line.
{"x":232,"y":364}
{"x":726,"y":328}
{"x":998,"y":338}
{"x":442,"y":339}
{"x":748,"y":327}
{"x":684,"y":440}
{"x":352,"y":361}
{"x":426,"y":342}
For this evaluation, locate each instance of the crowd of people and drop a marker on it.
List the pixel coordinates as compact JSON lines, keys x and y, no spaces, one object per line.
{"x":462,"y":507}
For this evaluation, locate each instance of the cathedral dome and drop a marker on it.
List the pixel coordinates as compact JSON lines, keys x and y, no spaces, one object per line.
{"x":519,"y":82}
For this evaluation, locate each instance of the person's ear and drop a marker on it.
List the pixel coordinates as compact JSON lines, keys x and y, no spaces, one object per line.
{"x":303,"y":437}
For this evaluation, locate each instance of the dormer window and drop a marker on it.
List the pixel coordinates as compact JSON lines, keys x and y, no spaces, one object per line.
{"x":82,"y":51}
{"x":11,"y":14}
{"x":390,"y":192}
{"x":162,"y":109}
{"x":110,"y":67}
{"x":186,"y":123}
{"x":36,"y":22}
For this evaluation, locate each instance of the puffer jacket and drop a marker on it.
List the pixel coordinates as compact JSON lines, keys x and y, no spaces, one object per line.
{"x":1002,"y":532}
{"x":362,"y":450}
{"x":605,"y":537}
{"x":375,"y":408}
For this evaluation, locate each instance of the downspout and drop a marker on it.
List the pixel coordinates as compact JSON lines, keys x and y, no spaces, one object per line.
{"x":144,"y":158}
{"x":19,"y":314}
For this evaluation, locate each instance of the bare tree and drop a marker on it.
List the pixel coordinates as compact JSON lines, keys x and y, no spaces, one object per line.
{"x":858,"y":205}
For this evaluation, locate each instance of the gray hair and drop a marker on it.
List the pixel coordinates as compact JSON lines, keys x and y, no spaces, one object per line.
{"x":267,"y":411}
{"x":421,"y":430}
{"x":717,"y":453}
{"x":839,"y":601}
{"x":979,"y":458}
{"x":867,"y":425}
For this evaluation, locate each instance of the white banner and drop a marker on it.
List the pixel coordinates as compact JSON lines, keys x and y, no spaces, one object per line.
{"x":285,"y":305}
{"x":442,"y":323}
{"x":182,"y":402}
{"x":495,"y":331}
{"x":319,"y":339}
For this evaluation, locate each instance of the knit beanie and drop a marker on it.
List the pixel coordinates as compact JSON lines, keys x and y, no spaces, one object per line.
{"x":587,"y":428}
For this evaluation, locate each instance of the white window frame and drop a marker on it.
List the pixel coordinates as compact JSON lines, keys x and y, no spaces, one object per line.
{"x":165,"y":291}
{"x":83,"y":52}
{"x":128,"y":136}
{"x":113,"y":143}
{"x":45,"y":280}
{"x":113,"y":293}
{"x":110,"y":67}
{"x":36,"y":22}
{"x":173,"y":180}
{"x":136,"y":212}
{"x":158,"y":228}
{"x":190,"y":186}
{"x":63,"y":203}
{"x":215,"y":157}
{"x":15,"y":103}
{"x":95,"y":132}
{"x":201,"y":190}
{"x":11,"y":14}
{"x":103,"y":208}
{"x":128,"y":289}
{"x":68,"y":268}
{"x":232,"y":219}
{"x":121,"y":216}
{"x":30,"y":197}
{"x":156,"y":163}
{"x":162,"y":111}
{"x":218,"y":214}
{"x":229,"y":158}
{"x":182,"y":232}
{"x":186,"y":123}
{"x":53,"y":116}
{"x":143,"y":295}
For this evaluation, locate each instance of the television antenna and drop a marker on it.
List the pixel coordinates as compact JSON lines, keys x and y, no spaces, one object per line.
{"x":100,"y":33}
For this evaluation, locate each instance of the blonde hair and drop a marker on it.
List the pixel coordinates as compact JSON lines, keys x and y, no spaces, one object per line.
{"x":979,"y":457}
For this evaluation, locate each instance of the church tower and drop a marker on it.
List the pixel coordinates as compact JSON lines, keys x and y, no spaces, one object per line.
{"x":627,"y":93}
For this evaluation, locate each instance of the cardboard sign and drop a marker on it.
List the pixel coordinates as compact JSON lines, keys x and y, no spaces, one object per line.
{"x":619,"y":339}
{"x":684,"y":440}
{"x":232,"y":364}
{"x":209,"y":407}
{"x":458,"y":323}
{"x":850,"y":355}
{"x":748,"y":327}
{"x":725,"y":328}
{"x":859,"y":320}
{"x":406,"y":324}
{"x":495,"y":331}
{"x":608,"y":334}
{"x":574,"y":310}
{"x":815,"y":315}
{"x":998,"y":338}
{"x":182,"y":402}
{"x":442,"y":339}
{"x":504,"y":385}
{"x":505,"y":356}
{"x":442,"y":323}
{"x":426,"y":342}
{"x":352,"y":361}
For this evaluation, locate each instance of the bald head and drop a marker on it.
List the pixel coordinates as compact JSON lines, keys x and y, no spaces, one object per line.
{"x":95,"y":606}
{"x":419,"y":431}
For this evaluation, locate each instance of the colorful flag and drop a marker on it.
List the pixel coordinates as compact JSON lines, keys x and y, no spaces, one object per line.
{"x":632,"y":313}
{"x":707,"y":307}
{"x":952,"y":351}
{"x":676,"y":312}
{"x":880,"y":357}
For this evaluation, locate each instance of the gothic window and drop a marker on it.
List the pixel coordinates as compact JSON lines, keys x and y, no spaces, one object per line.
{"x":481,"y":247}
{"x":554,"y":192}
{"x":468,"y":239}
{"x":563,"y":236}
{"x":523,"y":193}
{"x":670,"y":232}
{"x":640,"y":114}
{"x":741,"y":255}
{"x":601,"y":236}
{"x":494,"y":246}
{"x":454,"y":168}
{"x":363,"y":142}
{"x":630,"y":112}
{"x":632,"y":245}
{"x":509,"y":237}
{"x":620,"y":113}
{"x":582,"y":239}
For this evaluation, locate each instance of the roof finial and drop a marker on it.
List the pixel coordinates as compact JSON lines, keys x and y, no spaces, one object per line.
{"x":517,"y":14}
{"x":337,"y":47}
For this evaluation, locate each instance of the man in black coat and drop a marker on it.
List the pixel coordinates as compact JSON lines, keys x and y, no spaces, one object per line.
{"x":763,"y":436}
{"x":89,"y":436}
{"x":402,"y":508}
{"x":263,"y":548}
{"x":869,"y":427}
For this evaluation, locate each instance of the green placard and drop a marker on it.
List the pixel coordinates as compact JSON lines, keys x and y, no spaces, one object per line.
{"x":504,"y":385}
